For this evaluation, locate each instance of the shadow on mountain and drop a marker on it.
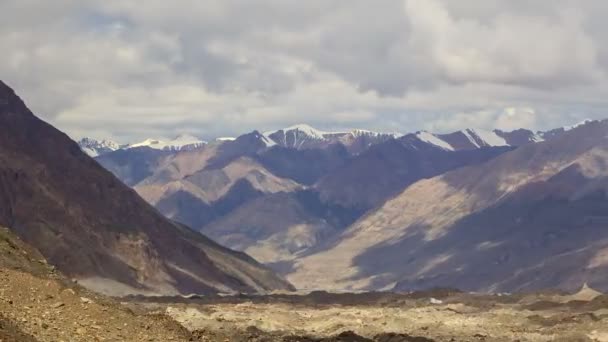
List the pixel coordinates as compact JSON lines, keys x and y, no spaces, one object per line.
{"x":247,"y":145}
{"x":304,"y":166}
{"x":132,"y":165}
{"x":538,"y":237}
{"x":192,"y":211}
{"x":369,"y":179}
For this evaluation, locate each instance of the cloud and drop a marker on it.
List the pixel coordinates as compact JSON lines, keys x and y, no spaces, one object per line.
{"x":536,"y":51}
{"x":127,"y":70}
{"x":507,"y":119}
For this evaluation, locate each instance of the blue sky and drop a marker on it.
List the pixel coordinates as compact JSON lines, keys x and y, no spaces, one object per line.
{"x":129,"y":69}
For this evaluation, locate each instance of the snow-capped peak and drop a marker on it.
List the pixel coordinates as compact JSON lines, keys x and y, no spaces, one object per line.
{"x":308,"y":130}
{"x":303,"y":136}
{"x":582,"y":123}
{"x":94,"y":147}
{"x":357,"y":132}
{"x":434,"y":140}
{"x":489,"y":138}
{"x":182,"y":142}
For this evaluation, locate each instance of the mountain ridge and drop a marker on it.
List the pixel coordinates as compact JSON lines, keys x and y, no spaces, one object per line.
{"x":528,"y":219}
{"x":96,"y":229}
{"x":303,"y":136}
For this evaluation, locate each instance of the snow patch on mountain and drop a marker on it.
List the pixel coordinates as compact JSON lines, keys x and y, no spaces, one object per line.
{"x":94,"y":147}
{"x":225,"y":139}
{"x":537,"y":138}
{"x":489,"y":137}
{"x":468,"y":135}
{"x":582,"y":123}
{"x":267,"y":139}
{"x":308,"y":130}
{"x":182,"y":142}
{"x":433,"y":140}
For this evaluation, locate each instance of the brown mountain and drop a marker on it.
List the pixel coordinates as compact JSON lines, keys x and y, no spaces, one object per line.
{"x":529,"y":219}
{"x":274,"y":228}
{"x":94,"y":228}
{"x":278,"y":228}
{"x":135,"y":164}
{"x":384,"y":170}
{"x":248,"y":198}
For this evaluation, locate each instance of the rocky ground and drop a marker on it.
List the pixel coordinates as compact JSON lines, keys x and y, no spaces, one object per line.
{"x":429,"y":316}
{"x":38,"y":304}
{"x":38,"y":309}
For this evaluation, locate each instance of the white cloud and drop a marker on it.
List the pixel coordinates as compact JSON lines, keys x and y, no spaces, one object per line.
{"x":544,"y":51}
{"x":128,"y":69}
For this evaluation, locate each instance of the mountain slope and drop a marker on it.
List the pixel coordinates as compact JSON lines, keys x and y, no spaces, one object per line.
{"x":273,"y":228}
{"x":470,"y":139}
{"x":133,"y":165}
{"x":94,"y":228}
{"x":305,"y":166}
{"x":282,"y":226}
{"x":384,"y":170}
{"x":529,"y":219}
{"x":39,"y":304}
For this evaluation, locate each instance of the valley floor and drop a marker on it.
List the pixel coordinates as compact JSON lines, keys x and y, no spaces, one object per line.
{"x":45,"y":308}
{"x":430,"y":316}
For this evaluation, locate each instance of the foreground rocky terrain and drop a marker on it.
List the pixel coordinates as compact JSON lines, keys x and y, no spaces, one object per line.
{"x":38,"y":304}
{"x":439,"y":315}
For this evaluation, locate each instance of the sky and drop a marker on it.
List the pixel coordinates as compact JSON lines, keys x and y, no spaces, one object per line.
{"x":128,"y":70}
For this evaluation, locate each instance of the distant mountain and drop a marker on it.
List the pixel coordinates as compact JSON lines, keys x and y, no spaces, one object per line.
{"x":304,"y":137}
{"x":468,"y":139}
{"x":299,"y":183}
{"x":96,"y":229}
{"x":181,"y":143}
{"x":95,"y":148}
{"x":561,"y":130}
{"x":529,"y":219}
{"x":132,"y":165}
{"x":384,"y":170}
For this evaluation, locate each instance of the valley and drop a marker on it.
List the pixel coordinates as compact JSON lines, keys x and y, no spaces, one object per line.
{"x":241,"y":239}
{"x":303,"y":171}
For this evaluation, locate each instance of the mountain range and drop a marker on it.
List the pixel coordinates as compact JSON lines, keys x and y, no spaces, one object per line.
{"x":98,"y":231}
{"x":529,"y":219}
{"x":359,"y":210}
{"x":488,"y":211}
{"x":303,"y":136}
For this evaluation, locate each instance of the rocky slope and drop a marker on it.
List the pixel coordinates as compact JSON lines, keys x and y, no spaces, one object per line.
{"x":531,"y":218}
{"x":384,"y":170}
{"x":39,"y":304}
{"x":94,"y":228}
{"x":276,"y":227}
